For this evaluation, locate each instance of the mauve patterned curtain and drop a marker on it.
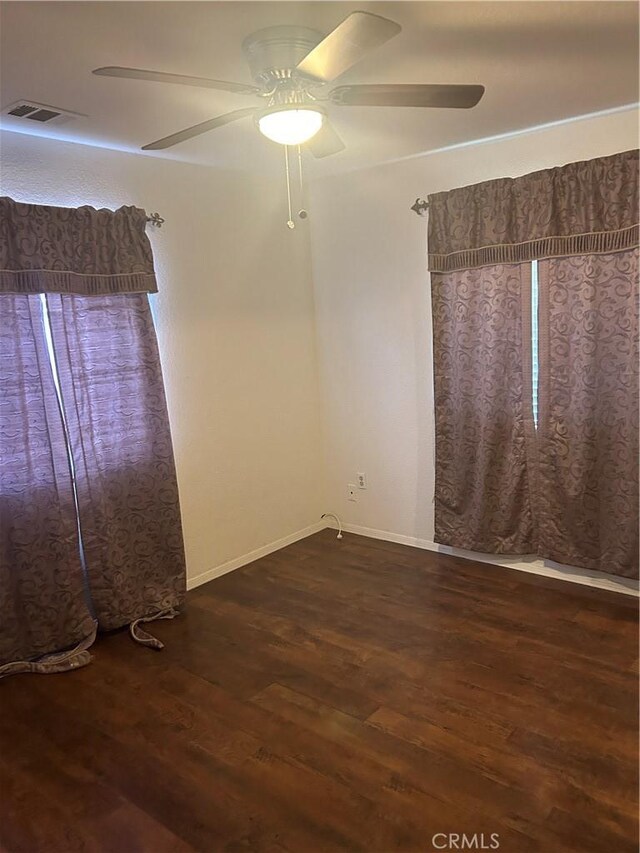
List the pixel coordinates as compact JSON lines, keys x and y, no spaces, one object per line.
{"x":482,"y":490}
{"x":106,"y":430}
{"x":568,"y":489}
{"x":73,"y":250}
{"x":589,"y":207}
{"x":588,"y":430}
{"x":111,"y":383}
{"x":42,"y":598}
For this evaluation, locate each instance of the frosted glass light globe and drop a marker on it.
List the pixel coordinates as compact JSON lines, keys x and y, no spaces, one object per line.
{"x":291,"y":127}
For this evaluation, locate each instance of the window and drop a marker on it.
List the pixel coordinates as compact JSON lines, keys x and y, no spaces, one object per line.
{"x":534,"y":341}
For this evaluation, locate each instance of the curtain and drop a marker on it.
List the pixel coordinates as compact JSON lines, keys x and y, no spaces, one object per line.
{"x":42,"y":594}
{"x":90,"y":533}
{"x":566,"y":488}
{"x":111,"y":384}
{"x":481,"y":487}
{"x":73,"y":250}
{"x":588,"y":430}
{"x":589,"y":207}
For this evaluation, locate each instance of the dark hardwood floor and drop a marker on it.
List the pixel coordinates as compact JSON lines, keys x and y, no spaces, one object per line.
{"x":335,"y":696}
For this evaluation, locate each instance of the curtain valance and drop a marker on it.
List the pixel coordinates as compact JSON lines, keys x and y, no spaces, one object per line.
{"x":74,"y":250}
{"x":590,"y":207}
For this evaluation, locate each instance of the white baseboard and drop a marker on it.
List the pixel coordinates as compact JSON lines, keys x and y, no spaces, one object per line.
{"x":238,"y":562}
{"x":546,"y":568}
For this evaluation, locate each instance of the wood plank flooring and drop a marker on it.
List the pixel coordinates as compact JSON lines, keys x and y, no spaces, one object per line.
{"x":339,"y":696}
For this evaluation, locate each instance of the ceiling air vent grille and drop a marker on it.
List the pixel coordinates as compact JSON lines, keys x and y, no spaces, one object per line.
{"x":33,"y":113}
{"x":41,"y":113}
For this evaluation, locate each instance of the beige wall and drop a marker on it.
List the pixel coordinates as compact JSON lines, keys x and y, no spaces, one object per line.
{"x":235,"y":324}
{"x":373,"y":313}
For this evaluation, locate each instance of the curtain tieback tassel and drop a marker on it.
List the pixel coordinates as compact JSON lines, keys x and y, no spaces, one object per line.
{"x":139,"y":635}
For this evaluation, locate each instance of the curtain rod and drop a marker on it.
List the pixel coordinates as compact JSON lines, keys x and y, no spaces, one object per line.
{"x":420,"y":206}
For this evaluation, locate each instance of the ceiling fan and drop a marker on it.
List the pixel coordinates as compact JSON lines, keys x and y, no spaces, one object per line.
{"x":290,"y":66}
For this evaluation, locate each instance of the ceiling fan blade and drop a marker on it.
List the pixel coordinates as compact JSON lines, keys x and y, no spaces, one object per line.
{"x":326,"y":141}
{"x":359,"y":33}
{"x":401,"y":95}
{"x":197,"y":129}
{"x":181,"y":79}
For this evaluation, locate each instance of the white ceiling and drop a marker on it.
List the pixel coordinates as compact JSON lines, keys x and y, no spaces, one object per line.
{"x":540,"y":62}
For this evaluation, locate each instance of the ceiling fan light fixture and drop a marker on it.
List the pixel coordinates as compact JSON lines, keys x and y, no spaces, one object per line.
{"x":291,"y":125}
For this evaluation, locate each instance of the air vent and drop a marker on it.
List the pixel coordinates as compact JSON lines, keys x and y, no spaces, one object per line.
{"x":22,"y":110}
{"x":31,"y":111}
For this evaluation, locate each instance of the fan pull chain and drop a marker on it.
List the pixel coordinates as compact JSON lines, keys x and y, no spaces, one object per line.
{"x":290,"y":223}
{"x":302,"y":213}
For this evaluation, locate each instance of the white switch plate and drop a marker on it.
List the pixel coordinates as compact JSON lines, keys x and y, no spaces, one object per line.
{"x":362,"y":480}
{"x":351,"y":492}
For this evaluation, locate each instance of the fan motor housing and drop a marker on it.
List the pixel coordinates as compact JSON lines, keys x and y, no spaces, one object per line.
{"x":274,"y":52}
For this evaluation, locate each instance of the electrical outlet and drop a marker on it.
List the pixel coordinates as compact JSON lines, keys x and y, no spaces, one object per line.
{"x":362,"y":480}
{"x":351,"y":492}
